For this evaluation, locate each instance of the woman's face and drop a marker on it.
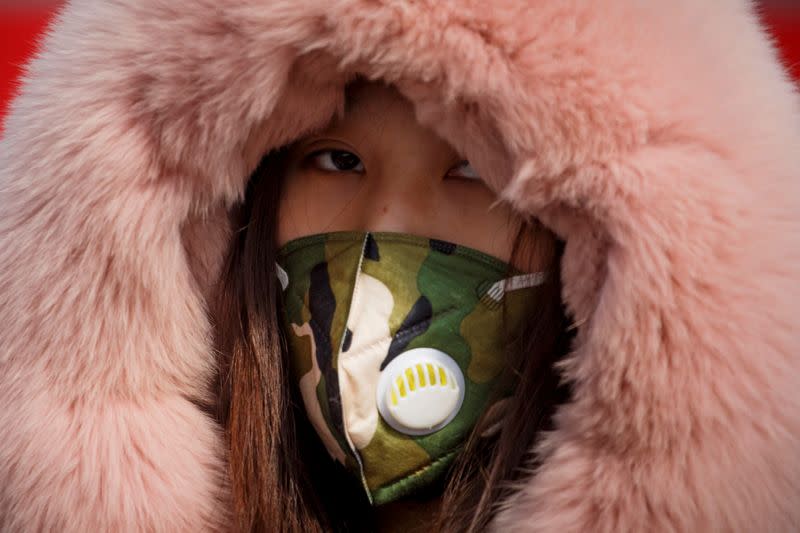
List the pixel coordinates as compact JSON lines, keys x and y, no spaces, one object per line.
{"x":378,"y":169}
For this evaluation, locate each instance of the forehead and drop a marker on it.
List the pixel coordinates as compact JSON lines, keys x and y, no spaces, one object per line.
{"x":367,"y":98}
{"x":377,"y":113}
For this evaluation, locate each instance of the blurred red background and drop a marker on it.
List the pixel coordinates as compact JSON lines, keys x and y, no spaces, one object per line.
{"x":21,"y":25}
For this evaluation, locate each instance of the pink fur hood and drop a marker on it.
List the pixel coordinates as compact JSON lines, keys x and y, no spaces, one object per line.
{"x":659,"y":139}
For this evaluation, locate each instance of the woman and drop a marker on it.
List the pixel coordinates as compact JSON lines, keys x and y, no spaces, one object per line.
{"x":403,"y":313}
{"x":662,"y":155}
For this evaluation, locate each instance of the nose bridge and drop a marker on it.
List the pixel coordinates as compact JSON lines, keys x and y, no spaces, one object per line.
{"x":399,"y":202}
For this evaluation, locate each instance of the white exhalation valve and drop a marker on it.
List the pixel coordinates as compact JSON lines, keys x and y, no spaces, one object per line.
{"x":420,"y":391}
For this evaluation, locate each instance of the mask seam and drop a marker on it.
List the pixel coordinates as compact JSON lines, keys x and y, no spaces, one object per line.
{"x":421,"y":470}
{"x":460,"y":249}
{"x":353,"y":449}
{"x":413,"y":240}
{"x":319,"y":238}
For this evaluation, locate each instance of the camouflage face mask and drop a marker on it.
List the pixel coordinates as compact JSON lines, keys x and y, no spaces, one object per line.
{"x":397,"y":344}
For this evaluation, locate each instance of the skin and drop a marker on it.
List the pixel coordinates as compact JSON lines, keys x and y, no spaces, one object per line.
{"x":405,"y":179}
{"x":376,"y":168}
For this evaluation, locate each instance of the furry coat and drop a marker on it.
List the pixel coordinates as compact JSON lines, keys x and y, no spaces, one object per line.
{"x":659,"y":139}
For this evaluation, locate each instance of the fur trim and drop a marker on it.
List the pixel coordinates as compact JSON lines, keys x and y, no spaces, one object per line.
{"x":660,"y":139}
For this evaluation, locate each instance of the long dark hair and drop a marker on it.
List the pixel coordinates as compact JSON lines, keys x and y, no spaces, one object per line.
{"x":281,"y":477}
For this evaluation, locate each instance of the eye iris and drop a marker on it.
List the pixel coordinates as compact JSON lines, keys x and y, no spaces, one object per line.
{"x":344,"y":160}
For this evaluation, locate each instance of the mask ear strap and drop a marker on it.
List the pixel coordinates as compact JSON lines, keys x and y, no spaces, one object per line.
{"x":521,"y":281}
{"x":283,"y":276}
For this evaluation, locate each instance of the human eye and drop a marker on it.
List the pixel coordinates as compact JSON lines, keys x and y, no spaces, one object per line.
{"x":463,"y":170}
{"x":336,"y":161}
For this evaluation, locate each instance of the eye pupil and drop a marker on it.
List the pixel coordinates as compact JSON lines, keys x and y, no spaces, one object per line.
{"x":344,"y":160}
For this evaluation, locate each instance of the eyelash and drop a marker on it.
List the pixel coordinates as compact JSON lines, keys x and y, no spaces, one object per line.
{"x":471,"y":174}
{"x":314,"y":158}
